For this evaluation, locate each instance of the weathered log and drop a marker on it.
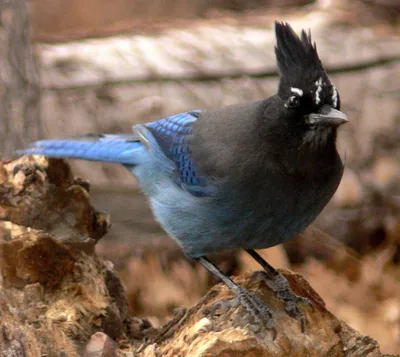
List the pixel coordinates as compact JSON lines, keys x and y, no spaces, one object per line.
{"x":230,"y":333}
{"x":55,"y":291}
{"x":59,"y":298}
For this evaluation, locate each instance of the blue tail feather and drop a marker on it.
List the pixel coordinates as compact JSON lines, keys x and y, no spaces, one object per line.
{"x":108,"y":148}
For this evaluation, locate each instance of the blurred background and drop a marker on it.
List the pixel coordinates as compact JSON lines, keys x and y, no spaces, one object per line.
{"x":74,"y":67}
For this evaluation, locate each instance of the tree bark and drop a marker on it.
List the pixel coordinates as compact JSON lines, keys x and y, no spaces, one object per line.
{"x":19,"y":83}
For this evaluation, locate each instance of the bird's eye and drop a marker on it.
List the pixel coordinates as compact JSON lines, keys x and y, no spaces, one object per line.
{"x":293,"y":102}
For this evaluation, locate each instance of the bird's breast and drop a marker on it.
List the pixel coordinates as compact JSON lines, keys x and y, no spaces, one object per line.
{"x":257,"y":214}
{"x":272,"y":212}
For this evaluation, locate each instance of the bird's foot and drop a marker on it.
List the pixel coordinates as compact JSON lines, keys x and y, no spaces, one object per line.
{"x":280,"y":286}
{"x":256,"y":308}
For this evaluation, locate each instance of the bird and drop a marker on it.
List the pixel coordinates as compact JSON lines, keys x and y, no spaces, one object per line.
{"x":247,"y":176}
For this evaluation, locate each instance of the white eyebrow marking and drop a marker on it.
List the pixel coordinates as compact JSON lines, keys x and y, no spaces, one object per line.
{"x":297,"y":91}
{"x":334,"y":96}
{"x":318,"y":91}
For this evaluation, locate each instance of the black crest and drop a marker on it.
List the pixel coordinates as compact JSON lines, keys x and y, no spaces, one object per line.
{"x":296,"y":56}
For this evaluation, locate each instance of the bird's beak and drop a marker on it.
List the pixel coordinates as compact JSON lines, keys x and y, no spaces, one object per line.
{"x":327,"y":116}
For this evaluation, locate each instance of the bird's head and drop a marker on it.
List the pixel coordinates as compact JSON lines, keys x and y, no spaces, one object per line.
{"x":310,"y":102}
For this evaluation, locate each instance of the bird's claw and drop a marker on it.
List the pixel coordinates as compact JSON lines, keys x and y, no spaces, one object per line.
{"x":279,"y":284}
{"x":305,"y":301}
{"x":253,"y":305}
{"x":223,"y":305}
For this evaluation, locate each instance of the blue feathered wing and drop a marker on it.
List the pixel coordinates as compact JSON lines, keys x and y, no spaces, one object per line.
{"x":172,"y":135}
{"x":165,"y":140}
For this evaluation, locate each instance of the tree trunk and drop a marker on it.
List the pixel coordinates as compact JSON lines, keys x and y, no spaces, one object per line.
{"x":19,"y":83}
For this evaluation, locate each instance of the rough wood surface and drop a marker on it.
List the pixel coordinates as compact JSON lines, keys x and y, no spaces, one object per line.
{"x":205,"y":53}
{"x":19,"y":84}
{"x":54,"y":291}
{"x":230,"y":333}
{"x":58,"y":298}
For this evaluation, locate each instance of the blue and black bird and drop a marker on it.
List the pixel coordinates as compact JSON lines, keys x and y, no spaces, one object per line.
{"x":246,"y":176}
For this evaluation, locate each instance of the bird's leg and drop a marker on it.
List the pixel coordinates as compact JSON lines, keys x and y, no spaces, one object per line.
{"x":279,"y":284}
{"x":252,"y":303}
